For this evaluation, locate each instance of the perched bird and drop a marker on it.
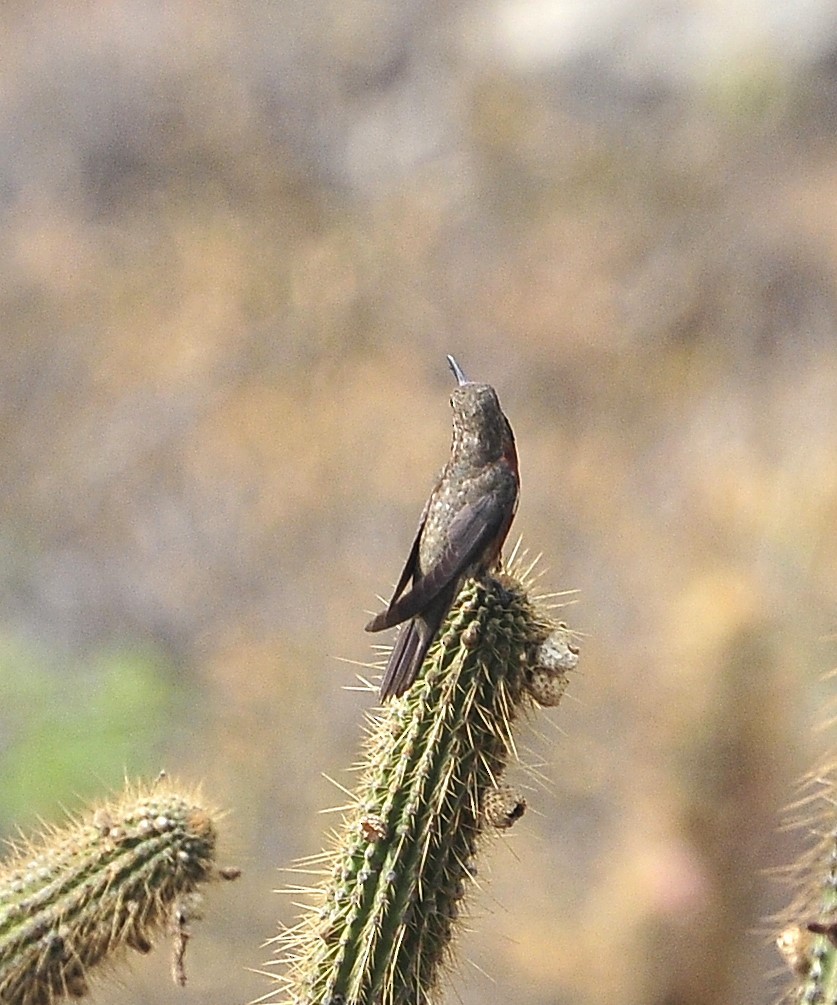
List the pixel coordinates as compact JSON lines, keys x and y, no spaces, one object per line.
{"x":462,"y":528}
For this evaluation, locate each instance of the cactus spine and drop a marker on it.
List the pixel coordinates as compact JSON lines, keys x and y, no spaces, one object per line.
{"x":429,"y":787}
{"x":808,"y":940}
{"x":110,"y":881}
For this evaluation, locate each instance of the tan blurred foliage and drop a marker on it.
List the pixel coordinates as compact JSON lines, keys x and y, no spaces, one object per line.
{"x":237,"y":241}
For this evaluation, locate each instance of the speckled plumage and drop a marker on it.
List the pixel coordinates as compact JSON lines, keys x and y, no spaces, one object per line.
{"x":462,"y":529}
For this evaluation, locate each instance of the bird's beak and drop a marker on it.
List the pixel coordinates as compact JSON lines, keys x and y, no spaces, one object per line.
{"x":457,"y":371}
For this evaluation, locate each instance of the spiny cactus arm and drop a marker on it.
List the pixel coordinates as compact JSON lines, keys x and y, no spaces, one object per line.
{"x":382,"y":923}
{"x":79,"y":895}
{"x":808,"y":938}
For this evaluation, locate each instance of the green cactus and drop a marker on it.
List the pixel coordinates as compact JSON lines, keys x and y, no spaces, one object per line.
{"x":113,"y":880}
{"x":430,"y":788}
{"x":808,"y":939}
{"x":382,"y":921}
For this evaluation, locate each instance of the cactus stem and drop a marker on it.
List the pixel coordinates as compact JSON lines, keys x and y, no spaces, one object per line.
{"x":110,"y":880}
{"x":380,"y":926}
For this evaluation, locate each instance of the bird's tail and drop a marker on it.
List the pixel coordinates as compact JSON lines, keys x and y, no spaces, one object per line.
{"x":414,"y":639}
{"x":406,"y":658}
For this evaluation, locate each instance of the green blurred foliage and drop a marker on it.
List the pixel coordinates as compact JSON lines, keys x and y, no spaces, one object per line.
{"x":71,"y":730}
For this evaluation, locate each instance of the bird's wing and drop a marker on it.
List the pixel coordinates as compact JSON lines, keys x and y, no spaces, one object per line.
{"x":470,"y":533}
{"x":408,"y":571}
{"x":410,"y":565}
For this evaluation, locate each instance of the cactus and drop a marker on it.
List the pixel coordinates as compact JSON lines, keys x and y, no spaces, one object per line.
{"x":431,"y":787}
{"x":383,"y":917}
{"x":808,"y":939}
{"x":113,"y":880}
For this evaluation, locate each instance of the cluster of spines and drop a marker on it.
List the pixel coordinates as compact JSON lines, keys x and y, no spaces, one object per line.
{"x":429,"y":787}
{"x":77,"y":895}
{"x":808,"y":938}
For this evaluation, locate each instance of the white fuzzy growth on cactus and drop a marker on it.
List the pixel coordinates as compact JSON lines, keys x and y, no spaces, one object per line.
{"x":549,"y":666}
{"x":503,"y":805}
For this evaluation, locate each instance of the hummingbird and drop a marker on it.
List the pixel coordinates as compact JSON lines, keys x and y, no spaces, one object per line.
{"x":461,"y":531}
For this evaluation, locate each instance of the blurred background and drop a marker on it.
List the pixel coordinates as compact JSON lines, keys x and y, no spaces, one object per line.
{"x":237,"y":240}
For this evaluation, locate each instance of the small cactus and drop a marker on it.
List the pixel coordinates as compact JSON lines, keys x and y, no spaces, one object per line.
{"x":383,"y":919}
{"x":113,"y":880}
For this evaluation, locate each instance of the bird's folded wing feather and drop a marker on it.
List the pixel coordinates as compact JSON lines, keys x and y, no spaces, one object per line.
{"x":470,"y":532}
{"x":410,"y":565}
